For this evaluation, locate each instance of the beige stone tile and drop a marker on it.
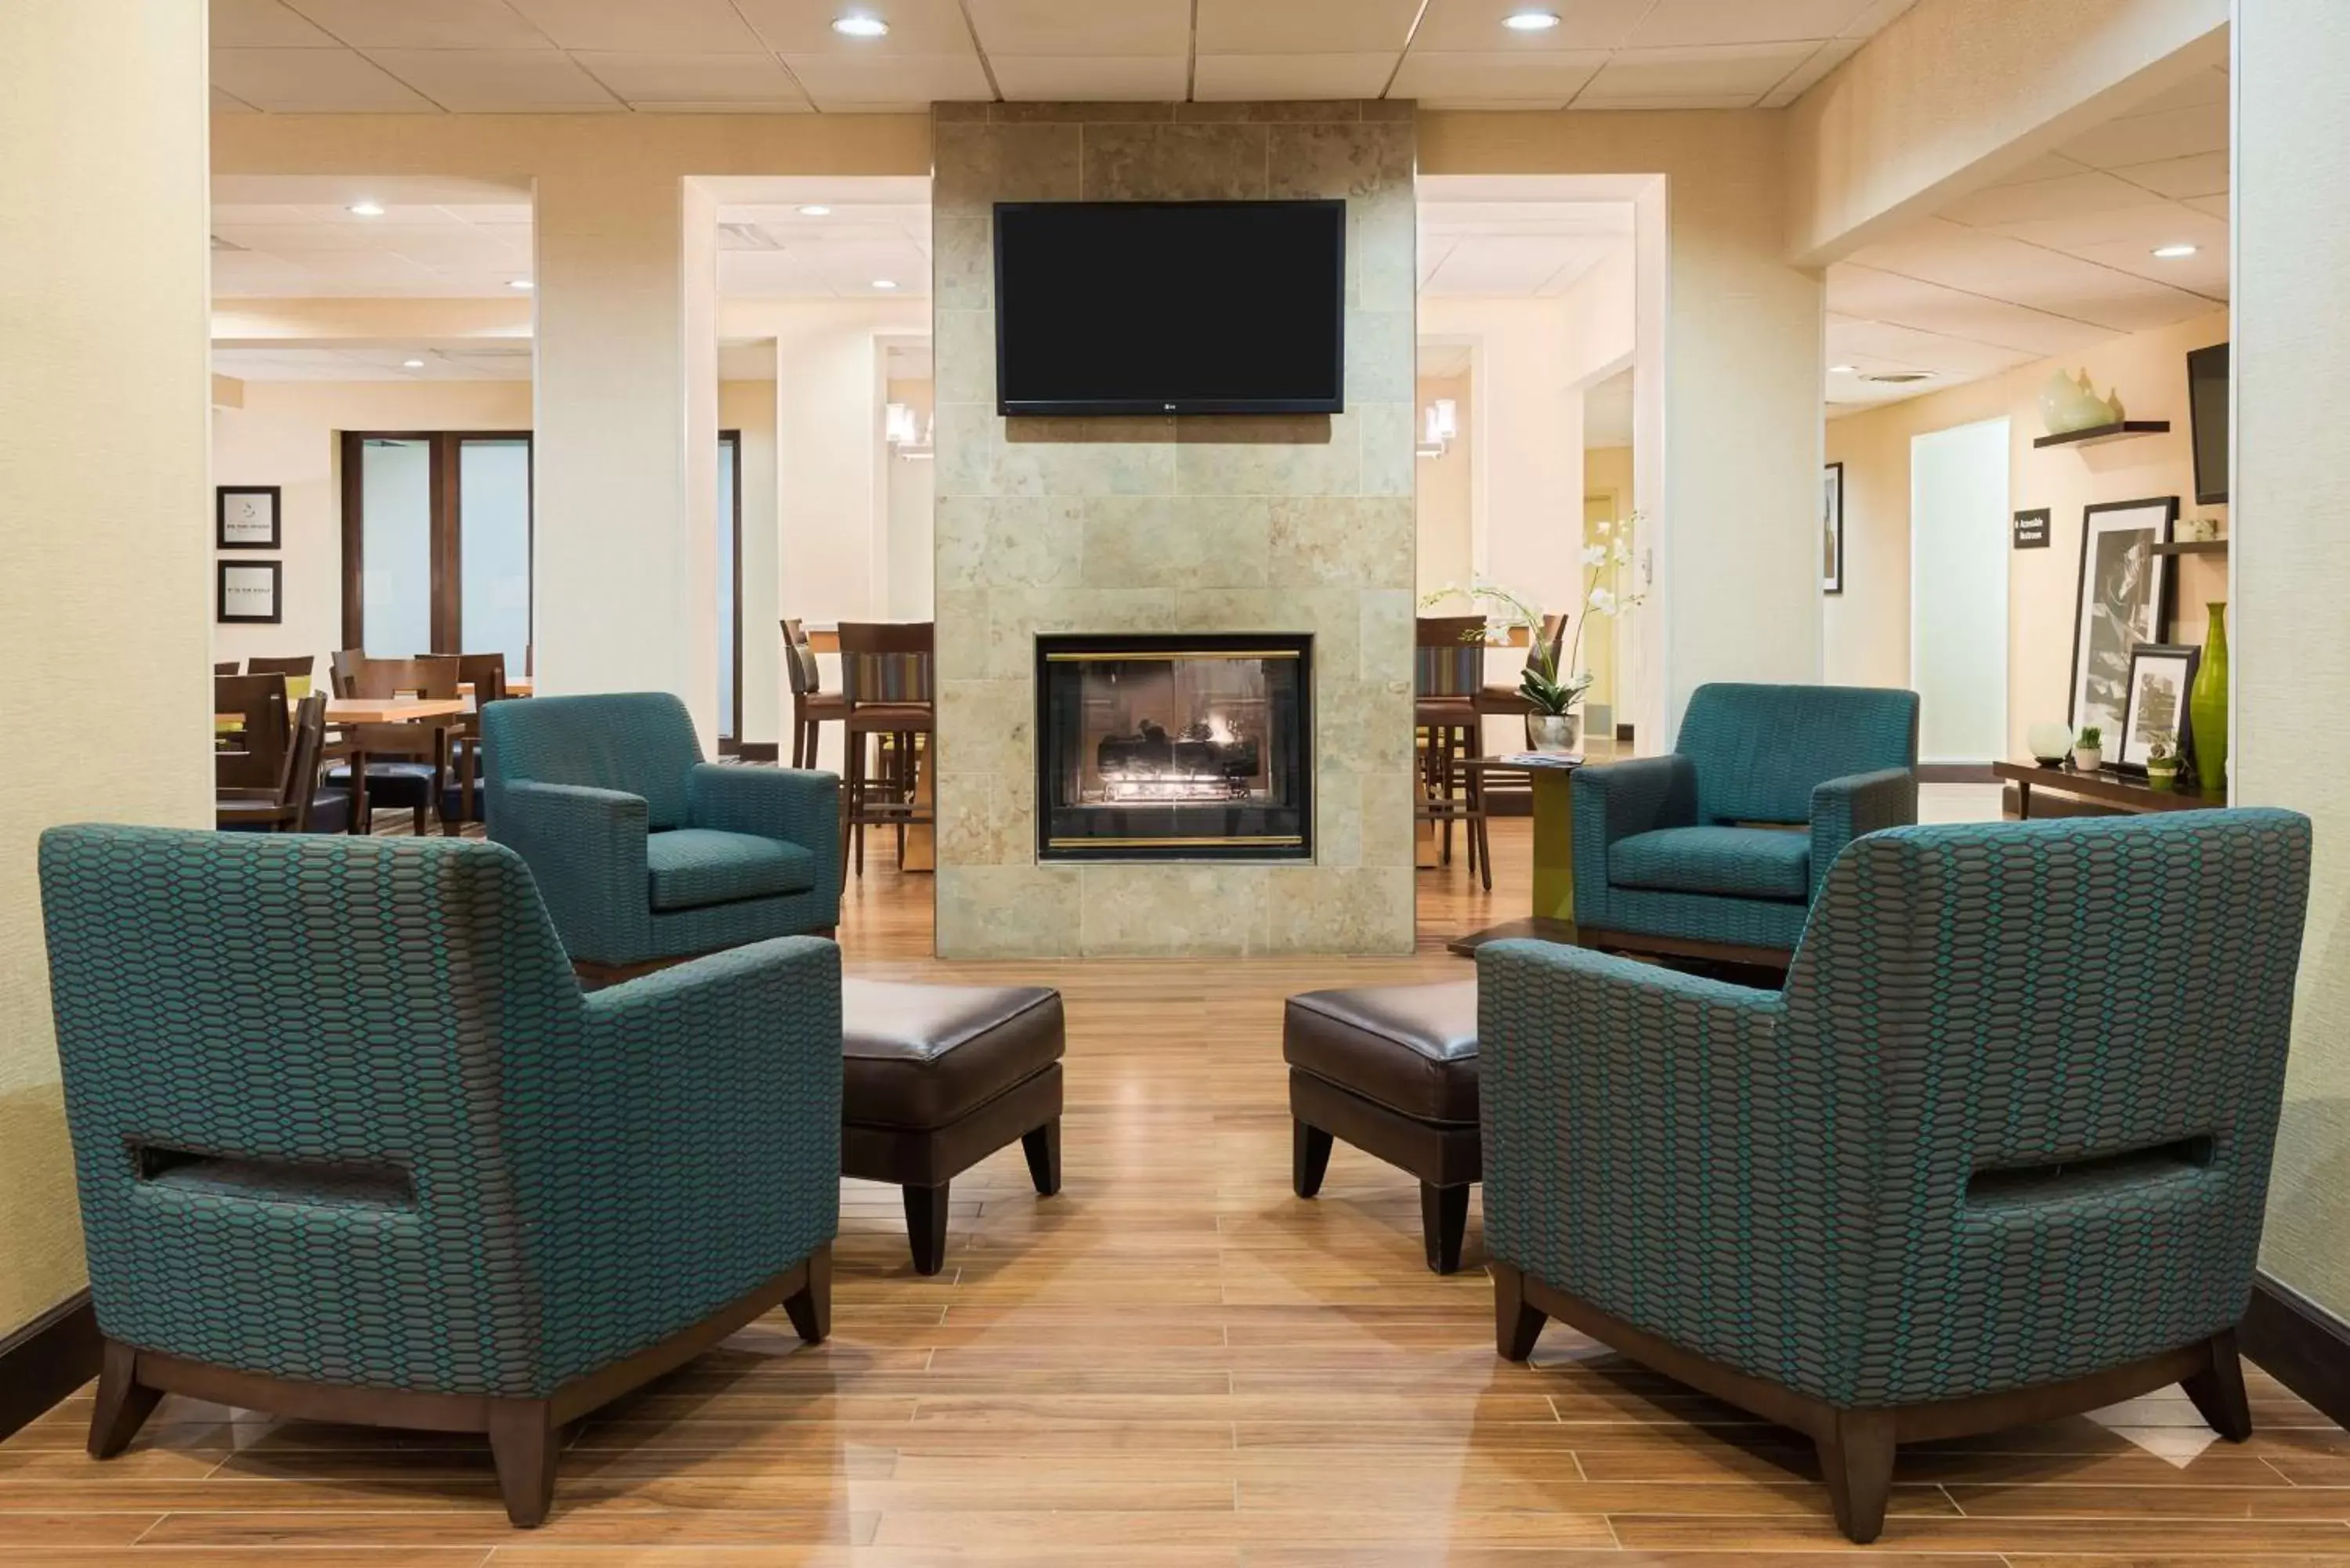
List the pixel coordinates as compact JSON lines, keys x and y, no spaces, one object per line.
{"x":1086,"y":113}
{"x":1343,"y":540}
{"x":1385,"y":656}
{"x":1017,"y":616}
{"x":1083,"y":457}
{"x":1382,"y":356}
{"x":1160,"y":542}
{"x":1361,"y":728}
{"x":1240,"y":609}
{"x":987,"y":726}
{"x":986,"y":819}
{"x":1008,"y":911}
{"x":1387,"y":806}
{"x":1166,"y":910}
{"x":1279,"y":454}
{"x":963,"y":256}
{"x":963,"y":342}
{"x":1335,"y":111}
{"x":1337,"y":819}
{"x":1386,"y":108}
{"x":983,"y":163}
{"x":1382,"y":254}
{"x":960,"y":617}
{"x":1340,"y":910}
{"x":1348,"y":161}
{"x":1388,"y":451}
{"x":1009,"y":540}
{"x":963,"y":442}
{"x":1175,"y":162}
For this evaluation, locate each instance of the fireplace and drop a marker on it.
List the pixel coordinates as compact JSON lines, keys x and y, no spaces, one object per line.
{"x":1174,"y":747}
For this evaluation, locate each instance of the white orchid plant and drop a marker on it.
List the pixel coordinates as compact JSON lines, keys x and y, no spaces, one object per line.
{"x":1543,"y":686}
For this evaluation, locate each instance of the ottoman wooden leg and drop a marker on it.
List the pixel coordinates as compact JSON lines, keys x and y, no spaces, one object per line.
{"x":926,"y":1227}
{"x":810,"y":1308}
{"x":1516,"y":1323}
{"x":1309,"y":1157}
{"x":1443,"y":1221}
{"x":1043,"y":1147}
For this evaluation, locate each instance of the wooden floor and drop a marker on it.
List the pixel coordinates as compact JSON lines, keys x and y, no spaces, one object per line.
{"x":1173,"y":1365}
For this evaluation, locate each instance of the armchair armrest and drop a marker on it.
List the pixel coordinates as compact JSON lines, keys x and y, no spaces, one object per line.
{"x":1616,"y":800}
{"x":688,"y":1150}
{"x":586,"y":849}
{"x":1847,"y":808}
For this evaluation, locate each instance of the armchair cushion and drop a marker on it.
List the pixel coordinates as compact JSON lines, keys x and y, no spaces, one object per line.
{"x":1743,"y":862}
{"x":692,"y":866}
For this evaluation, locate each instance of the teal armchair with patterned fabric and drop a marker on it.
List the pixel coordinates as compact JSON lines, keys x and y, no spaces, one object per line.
{"x":1999,"y":1148}
{"x":353,"y":1144}
{"x":644,"y":852}
{"x":1719,"y":848}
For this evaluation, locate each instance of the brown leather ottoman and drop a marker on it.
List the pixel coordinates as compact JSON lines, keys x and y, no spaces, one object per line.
{"x":937,"y":1077}
{"x":1393,"y":1069}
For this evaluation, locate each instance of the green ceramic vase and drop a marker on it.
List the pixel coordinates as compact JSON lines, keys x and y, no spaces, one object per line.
{"x":2208,"y":706}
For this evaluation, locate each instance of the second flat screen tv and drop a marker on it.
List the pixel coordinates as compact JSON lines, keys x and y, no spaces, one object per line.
{"x":1171,"y":307}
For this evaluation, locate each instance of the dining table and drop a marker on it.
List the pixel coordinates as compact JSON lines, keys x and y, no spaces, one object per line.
{"x":438,"y":713}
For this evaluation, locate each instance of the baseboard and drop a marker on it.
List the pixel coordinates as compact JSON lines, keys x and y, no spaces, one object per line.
{"x":46,"y":1360}
{"x":1956,"y":773}
{"x":2300,"y":1345}
{"x":760,"y":751}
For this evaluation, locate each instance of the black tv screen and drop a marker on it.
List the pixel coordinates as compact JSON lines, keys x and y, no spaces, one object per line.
{"x":2206,"y":403}
{"x":1171,"y":307}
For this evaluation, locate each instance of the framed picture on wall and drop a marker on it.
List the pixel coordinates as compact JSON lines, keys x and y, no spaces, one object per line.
{"x":2123,"y":599}
{"x":2160,"y":676}
{"x":245,"y":518}
{"x":1832,"y":529}
{"x":248,"y":593}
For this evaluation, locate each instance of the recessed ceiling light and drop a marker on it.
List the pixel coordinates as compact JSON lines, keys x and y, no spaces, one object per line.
{"x":521,"y":282}
{"x":366,"y":209}
{"x":1842,"y":369}
{"x":885,"y":283}
{"x":1531,"y":21}
{"x":412,"y":364}
{"x":816,"y":212}
{"x":855,"y":26}
{"x":2175,"y":252}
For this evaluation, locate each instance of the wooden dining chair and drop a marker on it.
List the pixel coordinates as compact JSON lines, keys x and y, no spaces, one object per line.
{"x":299,"y":670}
{"x":461,"y":793}
{"x":297,"y":804}
{"x":812,"y":705}
{"x":224,"y":666}
{"x":252,"y":755}
{"x":886,"y":679}
{"x":1448,"y":677}
{"x":407,"y":764}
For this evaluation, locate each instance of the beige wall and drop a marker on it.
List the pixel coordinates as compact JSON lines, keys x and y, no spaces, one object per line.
{"x":1300,"y":523}
{"x":1866,"y":629}
{"x":104,"y":575}
{"x":2290,"y":637}
{"x":1444,"y":524}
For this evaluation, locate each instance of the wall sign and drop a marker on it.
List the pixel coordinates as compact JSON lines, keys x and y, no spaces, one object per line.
{"x":2032,"y":530}
{"x":245,"y":518}
{"x":248,"y":593}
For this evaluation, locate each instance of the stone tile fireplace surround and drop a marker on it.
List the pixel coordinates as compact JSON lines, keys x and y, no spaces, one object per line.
{"x":1292,"y":524}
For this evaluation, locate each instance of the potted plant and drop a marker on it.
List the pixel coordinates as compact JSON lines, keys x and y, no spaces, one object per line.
{"x":2162,"y":764}
{"x":2089,"y":749}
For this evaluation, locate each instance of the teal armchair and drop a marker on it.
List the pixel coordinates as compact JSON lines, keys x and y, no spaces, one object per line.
{"x":1717,"y":849}
{"x":1998,"y":1150}
{"x":352,"y":1144}
{"x":644,"y":852}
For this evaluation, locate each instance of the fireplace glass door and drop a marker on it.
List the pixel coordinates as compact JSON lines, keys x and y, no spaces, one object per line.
{"x":1174,"y":747}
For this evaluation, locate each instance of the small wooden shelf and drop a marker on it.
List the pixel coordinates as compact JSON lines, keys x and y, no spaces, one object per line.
{"x":2193,"y":547}
{"x":2098,"y":435}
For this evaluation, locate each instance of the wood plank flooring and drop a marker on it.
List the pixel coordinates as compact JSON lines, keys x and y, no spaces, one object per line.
{"x":1175,"y":1364}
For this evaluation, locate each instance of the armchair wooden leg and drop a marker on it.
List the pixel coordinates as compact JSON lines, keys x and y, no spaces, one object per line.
{"x":1857,"y":1458}
{"x":1043,"y":1147}
{"x":123,"y":1402}
{"x":810,"y":1307}
{"x":1517,"y":1324}
{"x":2219,"y":1389}
{"x":1309,"y":1157}
{"x":523,"y":1442}
{"x":926,"y":1227}
{"x":1443,"y":1223}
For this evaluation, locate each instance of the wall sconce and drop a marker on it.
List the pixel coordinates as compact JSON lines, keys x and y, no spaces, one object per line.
{"x":903,"y":429}
{"x":1439,"y":426}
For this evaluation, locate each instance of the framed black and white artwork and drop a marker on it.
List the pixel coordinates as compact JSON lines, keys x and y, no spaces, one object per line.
{"x":245,"y":518}
{"x":248,"y":593}
{"x":1832,"y":529}
{"x":2160,"y":676}
{"x":2123,"y":598}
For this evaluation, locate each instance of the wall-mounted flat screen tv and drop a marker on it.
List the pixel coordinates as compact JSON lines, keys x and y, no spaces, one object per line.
{"x":1171,"y":307}
{"x":2206,"y":403}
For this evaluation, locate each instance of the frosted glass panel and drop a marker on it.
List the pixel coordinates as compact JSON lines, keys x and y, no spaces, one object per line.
{"x":493,"y":542}
{"x":727,"y":454}
{"x":1958,"y":597}
{"x":396,"y":547}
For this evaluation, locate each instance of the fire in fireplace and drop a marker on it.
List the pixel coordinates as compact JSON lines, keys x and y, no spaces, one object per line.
{"x":1174,"y":747}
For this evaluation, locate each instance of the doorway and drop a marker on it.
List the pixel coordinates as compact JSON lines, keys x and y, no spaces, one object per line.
{"x":1958,"y":591}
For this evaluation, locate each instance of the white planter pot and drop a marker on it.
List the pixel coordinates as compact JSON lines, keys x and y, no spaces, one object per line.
{"x":1554,"y":731}
{"x":2088,"y":759}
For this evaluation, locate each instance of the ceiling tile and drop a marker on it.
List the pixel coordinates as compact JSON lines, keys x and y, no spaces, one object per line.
{"x":1474,"y":26}
{"x":2149,"y":137}
{"x":1242,"y":79}
{"x":841,"y":82}
{"x":631,"y":26}
{"x":496,"y":81}
{"x":2144,"y":225}
{"x":263,"y":25}
{"x":2001,"y":268}
{"x":1812,"y":71}
{"x":1684,"y":24}
{"x":1325,"y":27}
{"x":1850,"y":338}
{"x":1126,"y":30}
{"x":1514,"y":265}
{"x":1551,"y":77}
{"x":1724,"y":71}
{"x":2217,"y":206}
{"x":1861,"y":291}
{"x":2070,"y":195}
{"x":805,"y":27}
{"x":692,"y":77}
{"x":1875,"y":18}
{"x":424,"y":24}
{"x":2205,"y":87}
{"x":312,"y":81}
{"x":1663,"y":101}
{"x":2047,"y":166}
{"x":226,"y":103}
{"x":2204,"y":174}
{"x":2203,"y":274}
{"x":1143,"y":79}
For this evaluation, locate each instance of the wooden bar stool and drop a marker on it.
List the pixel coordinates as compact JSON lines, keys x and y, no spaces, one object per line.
{"x":885,"y":691}
{"x":812,"y":705}
{"x":1449,"y":678}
